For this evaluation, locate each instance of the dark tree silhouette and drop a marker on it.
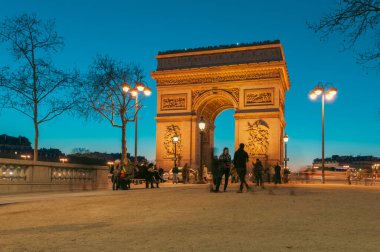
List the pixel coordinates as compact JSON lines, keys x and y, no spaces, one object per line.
{"x":103,"y":94}
{"x":33,"y":86}
{"x":356,"y":20}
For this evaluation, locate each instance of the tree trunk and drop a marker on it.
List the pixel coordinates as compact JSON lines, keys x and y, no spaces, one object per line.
{"x":36,"y":134}
{"x":123,"y":144}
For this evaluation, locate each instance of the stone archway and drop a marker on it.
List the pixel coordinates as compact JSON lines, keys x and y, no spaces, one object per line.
{"x":251,"y":79}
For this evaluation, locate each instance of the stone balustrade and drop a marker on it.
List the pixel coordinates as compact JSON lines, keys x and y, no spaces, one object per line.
{"x":17,"y":176}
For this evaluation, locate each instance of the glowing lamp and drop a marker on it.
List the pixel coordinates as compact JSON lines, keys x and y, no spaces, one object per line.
{"x":318,"y":90}
{"x":125,"y":87}
{"x":286,"y":138}
{"x":202,"y":124}
{"x":140,"y":86}
{"x":313,"y":95}
{"x":134,"y":92}
{"x":332,"y":91}
{"x":147,"y":91}
{"x":175,"y":139}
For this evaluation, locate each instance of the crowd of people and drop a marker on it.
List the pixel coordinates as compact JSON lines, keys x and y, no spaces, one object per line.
{"x":124,"y":175}
{"x":225,"y":166}
{"x":238,"y":166}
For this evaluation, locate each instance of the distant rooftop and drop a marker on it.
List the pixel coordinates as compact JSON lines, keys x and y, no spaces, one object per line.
{"x":237,"y":45}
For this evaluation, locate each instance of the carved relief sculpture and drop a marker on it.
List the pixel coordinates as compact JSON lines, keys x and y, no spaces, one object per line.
{"x":258,"y":140}
{"x":174,"y":102}
{"x":257,"y":97}
{"x":170,"y":132}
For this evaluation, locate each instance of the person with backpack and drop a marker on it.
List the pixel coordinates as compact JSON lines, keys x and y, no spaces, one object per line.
{"x":240,"y":162}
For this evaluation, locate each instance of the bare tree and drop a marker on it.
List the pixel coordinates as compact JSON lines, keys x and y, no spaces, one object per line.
{"x":104,"y":95}
{"x":33,"y":86}
{"x":355,"y":20}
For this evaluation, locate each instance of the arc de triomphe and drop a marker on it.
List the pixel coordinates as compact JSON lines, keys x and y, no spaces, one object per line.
{"x":250,"y":78}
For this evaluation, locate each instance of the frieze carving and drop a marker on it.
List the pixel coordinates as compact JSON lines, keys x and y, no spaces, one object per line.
{"x":174,"y":102}
{"x":259,"y":96}
{"x":170,"y":132}
{"x":214,"y":78}
{"x":258,"y":139}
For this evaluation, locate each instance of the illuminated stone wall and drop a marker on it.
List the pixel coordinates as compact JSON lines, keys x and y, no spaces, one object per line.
{"x":250,"y":79}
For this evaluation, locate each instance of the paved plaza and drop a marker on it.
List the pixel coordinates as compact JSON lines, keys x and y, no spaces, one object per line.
{"x":180,"y":217}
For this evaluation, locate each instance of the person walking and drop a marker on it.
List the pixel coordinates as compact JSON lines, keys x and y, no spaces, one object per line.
{"x":184,"y":174}
{"x":205,"y":172}
{"x":175,"y":174}
{"x":225,"y":161}
{"x":258,"y":171}
{"x":277,"y":174}
{"x":240,"y":162}
{"x":348,"y":176}
{"x":217,"y":170}
{"x":115,"y":175}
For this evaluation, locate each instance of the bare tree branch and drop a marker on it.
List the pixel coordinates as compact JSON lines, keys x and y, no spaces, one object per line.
{"x":359,"y":23}
{"x":36,"y":88}
{"x":103,"y":93}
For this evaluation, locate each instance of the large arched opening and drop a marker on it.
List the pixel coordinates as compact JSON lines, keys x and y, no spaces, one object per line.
{"x":210,"y":105}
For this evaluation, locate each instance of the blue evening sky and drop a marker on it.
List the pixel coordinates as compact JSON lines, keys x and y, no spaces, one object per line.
{"x":136,"y":30}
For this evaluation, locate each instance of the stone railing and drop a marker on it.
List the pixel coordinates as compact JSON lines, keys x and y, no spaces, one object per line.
{"x":18,"y":176}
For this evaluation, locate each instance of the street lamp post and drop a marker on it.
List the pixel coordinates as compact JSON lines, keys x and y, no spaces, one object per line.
{"x":139,"y":87}
{"x":175,"y":141}
{"x":202,"y":126}
{"x":286,"y":159}
{"x":320,"y":90}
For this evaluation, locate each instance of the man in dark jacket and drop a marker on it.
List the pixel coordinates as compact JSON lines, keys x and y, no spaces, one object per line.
{"x":240,"y":162}
{"x":258,"y":171}
{"x":277,"y":174}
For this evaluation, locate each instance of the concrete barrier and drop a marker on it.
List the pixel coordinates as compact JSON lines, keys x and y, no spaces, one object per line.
{"x":20,"y":176}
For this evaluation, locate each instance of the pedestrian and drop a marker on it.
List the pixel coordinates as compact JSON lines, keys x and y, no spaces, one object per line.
{"x":272,"y":174}
{"x":175,"y":174}
{"x":187,"y":174}
{"x":115,"y":175}
{"x":240,"y":162}
{"x":149,"y":176}
{"x":348,"y":176}
{"x":217,"y":173}
{"x":258,"y":171}
{"x":156,"y":176}
{"x":161,"y":174}
{"x":184,"y":174}
{"x":225,"y":161}
{"x":205,"y":172}
{"x":277,"y":174}
{"x":234,"y":175}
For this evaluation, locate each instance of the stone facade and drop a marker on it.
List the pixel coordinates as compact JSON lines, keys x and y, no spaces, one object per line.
{"x":252,"y":80}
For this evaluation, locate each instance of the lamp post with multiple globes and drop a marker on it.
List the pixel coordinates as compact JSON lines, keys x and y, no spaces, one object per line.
{"x":134,"y":92}
{"x":329,"y":94}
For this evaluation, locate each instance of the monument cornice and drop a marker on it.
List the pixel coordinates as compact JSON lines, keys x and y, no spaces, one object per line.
{"x":215,"y":74}
{"x":218,"y":51}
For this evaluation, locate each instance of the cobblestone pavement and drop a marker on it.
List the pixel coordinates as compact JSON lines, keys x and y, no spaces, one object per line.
{"x":299,"y":217}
